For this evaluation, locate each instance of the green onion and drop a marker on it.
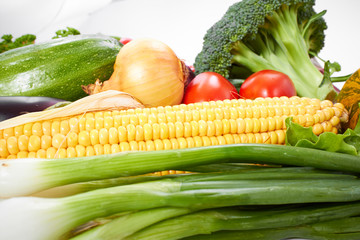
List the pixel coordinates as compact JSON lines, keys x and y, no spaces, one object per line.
{"x":27,"y":176}
{"x":250,"y":172}
{"x":52,"y":218}
{"x":340,"y":229}
{"x":130,"y":223}
{"x":208,"y":221}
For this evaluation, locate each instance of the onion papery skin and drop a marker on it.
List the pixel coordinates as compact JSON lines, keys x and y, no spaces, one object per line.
{"x":150,"y":71}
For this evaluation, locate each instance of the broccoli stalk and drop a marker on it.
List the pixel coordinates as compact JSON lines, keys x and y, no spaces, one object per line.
{"x":254,"y":35}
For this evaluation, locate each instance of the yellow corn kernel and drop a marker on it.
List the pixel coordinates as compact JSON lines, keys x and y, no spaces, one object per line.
{"x":309,"y":120}
{"x":147,"y":131}
{"x":12,"y":145}
{"x":202,"y":127}
{"x":61,"y":153}
{"x":248,"y":113}
{"x":258,"y":138}
{"x":325,"y":104}
{"x":84,"y":138}
{"x":41,"y":153}
{"x":99,"y":123}
{"x":34,"y":143}
{"x":117,"y":120}
{"x":114,"y":148}
{"x":334,"y":130}
{"x":37,"y":129}
{"x":236,"y":138}
{"x":134,"y":146}
{"x":251,"y":137}
{"x":109,"y":121}
{"x":221,"y":140}
{"x":213,"y":141}
{"x":80,"y":150}
{"x":31,"y":154}
{"x":113,"y":136}
{"x":170,"y":116}
{"x":256,"y":112}
{"x":58,"y":141}
{"x":249,"y":125}
{"x":73,"y":124}
{"x":206,"y":141}
{"x":152,"y":118}
{"x":210,"y":131}
{"x":122,"y":134}
{"x":18,"y":131}
{"x":218,"y":127}
{"x":164,"y":131}
{"x":27,"y":130}
{"x":55,"y":127}
{"x":338,"y":109}
{"x":317,"y":129}
{"x":241,"y":113}
{"x":198,"y":141}
{"x":23,"y":142}
{"x":335,"y":121}
{"x":46,"y":128}
{"x":187,"y":129}
{"x":229,"y":139}
{"x":241,"y":125}
{"x":104,"y":136}
{"x":8,"y":132}
{"x":256,"y":125}
{"x":45,"y":141}
{"x":89,"y":151}
{"x":149,"y":145}
{"x":3,"y":149}
{"x":226,"y":127}
{"x":327,"y":126}
{"x":22,"y":154}
{"x":71,"y":152}
{"x":50,"y":152}
{"x":89,"y":124}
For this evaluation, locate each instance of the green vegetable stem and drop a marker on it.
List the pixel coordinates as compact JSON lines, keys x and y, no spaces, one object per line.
{"x":20,"y":177}
{"x":52,"y":218}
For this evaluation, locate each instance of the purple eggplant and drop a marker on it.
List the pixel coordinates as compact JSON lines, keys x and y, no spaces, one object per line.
{"x":12,"y":106}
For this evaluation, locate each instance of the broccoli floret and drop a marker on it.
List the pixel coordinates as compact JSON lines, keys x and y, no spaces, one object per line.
{"x":8,"y":43}
{"x":254,"y":35}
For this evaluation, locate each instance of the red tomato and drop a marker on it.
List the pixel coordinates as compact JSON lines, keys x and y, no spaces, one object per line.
{"x":267,"y":83}
{"x":125,"y":40}
{"x":209,"y":86}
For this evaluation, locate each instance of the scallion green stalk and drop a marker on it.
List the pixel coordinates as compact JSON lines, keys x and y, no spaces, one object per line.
{"x":20,"y":177}
{"x":286,"y":173}
{"x":346,"y":228}
{"x":128,"y":224}
{"x":52,"y":218}
{"x":209,"y":221}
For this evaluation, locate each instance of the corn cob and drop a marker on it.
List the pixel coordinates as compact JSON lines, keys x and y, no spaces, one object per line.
{"x":170,"y":127}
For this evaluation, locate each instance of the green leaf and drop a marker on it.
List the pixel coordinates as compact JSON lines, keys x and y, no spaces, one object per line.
{"x":299,"y":136}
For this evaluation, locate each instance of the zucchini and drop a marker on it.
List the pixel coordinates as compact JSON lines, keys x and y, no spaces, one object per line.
{"x":59,"y":67}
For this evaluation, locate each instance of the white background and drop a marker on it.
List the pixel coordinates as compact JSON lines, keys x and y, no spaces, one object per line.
{"x":179,"y":23}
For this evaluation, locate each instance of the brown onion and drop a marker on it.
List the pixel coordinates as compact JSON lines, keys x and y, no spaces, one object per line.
{"x":150,"y":71}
